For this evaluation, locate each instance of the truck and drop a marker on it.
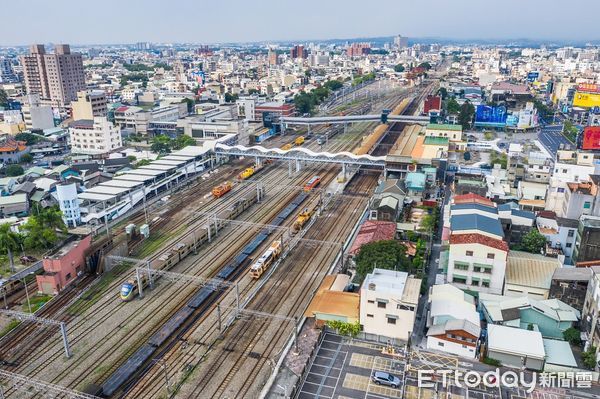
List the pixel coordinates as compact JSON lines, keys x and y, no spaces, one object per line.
{"x":299,"y":140}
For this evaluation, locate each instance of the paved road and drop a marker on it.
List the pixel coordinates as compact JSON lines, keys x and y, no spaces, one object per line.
{"x":432,"y":271}
{"x":551,"y":138}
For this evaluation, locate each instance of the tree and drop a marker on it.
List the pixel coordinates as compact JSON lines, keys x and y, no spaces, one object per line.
{"x":304,"y":102}
{"x":181,"y":142}
{"x":399,"y":68}
{"x":229,"y":98}
{"x":589,"y":357}
{"x":131,"y":158}
{"x":570,"y":131}
{"x":253,"y":91}
{"x":190,"y":104}
{"x":443,"y":92}
{"x":499,"y":158}
{"x":9,"y":242}
{"x":383,"y":255}
{"x":161,"y":144}
{"x":452,"y":106}
{"x":141,"y":162}
{"x":465,"y":116}
{"x":572,"y":335}
{"x":3,"y":98}
{"x":533,"y":241}
{"x":26,"y":158}
{"x":28,"y":138}
{"x":333,"y":85}
{"x":344,"y":328}
{"x":14,"y":170}
{"x":425,"y":65}
{"x":42,"y":229}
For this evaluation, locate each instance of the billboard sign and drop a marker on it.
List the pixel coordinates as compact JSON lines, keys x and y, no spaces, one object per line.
{"x":591,"y":138}
{"x":492,"y":116}
{"x":586,"y":100}
{"x":533,"y":76}
{"x":588,"y":88}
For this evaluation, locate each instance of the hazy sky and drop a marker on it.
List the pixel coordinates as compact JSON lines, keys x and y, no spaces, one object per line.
{"x":210,"y":21}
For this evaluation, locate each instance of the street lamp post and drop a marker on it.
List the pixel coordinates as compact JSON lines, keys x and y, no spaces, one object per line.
{"x":27,"y":293}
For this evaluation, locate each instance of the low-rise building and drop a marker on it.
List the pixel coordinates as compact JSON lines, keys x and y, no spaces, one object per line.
{"x":14,"y":205}
{"x":94,"y":137}
{"x":331,"y":302}
{"x":452,"y":321}
{"x":516,"y":347}
{"x":550,"y":317}
{"x":388,"y":303}
{"x":63,"y":266}
{"x":570,"y":285}
{"x":590,"y":328}
{"x":12,"y":150}
{"x":587,"y":241}
{"x":89,"y":104}
{"x":529,"y":274}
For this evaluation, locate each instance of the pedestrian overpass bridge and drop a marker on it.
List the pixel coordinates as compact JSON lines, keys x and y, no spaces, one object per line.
{"x":318,"y":120}
{"x":299,"y":154}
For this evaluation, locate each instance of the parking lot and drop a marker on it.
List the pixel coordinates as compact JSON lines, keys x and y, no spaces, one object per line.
{"x":342,"y":369}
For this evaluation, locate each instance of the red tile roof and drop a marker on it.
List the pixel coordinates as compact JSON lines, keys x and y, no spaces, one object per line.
{"x":9,"y":144}
{"x":475,"y":238}
{"x":472,"y":199}
{"x":373,"y":230}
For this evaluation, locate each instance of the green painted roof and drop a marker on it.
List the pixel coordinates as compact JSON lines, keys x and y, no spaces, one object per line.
{"x":436,"y":140}
{"x":444,"y":126}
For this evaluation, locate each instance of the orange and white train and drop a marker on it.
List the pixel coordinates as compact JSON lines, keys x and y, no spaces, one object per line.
{"x":262,"y":264}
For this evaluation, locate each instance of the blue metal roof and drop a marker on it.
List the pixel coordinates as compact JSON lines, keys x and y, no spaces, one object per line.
{"x":484,"y":208}
{"x":523,"y":214}
{"x":476,"y":222}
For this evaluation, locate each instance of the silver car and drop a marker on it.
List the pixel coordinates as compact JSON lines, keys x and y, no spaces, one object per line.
{"x":381,"y":377}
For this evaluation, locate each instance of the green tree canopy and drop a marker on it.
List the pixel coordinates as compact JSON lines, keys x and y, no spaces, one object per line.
{"x":304,"y":102}
{"x":425,"y":65}
{"x":26,"y":158}
{"x":14,"y":170}
{"x":383,"y":255}
{"x":443,"y":92}
{"x":181,"y":142}
{"x":572,"y":335}
{"x":533,"y":241}
{"x":333,"y":84}
{"x":452,"y":106}
{"x":465,"y":116}
{"x":229,"y":98}
{"x":161,"y":144}
{"x":9,"y":242}
{"x":42,"y":229}
{"x":399,"y":68}
{"x":28,"y":138}
{"x":190,"y":104}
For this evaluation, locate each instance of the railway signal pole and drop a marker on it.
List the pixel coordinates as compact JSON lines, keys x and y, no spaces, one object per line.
{"x":41,"y":320}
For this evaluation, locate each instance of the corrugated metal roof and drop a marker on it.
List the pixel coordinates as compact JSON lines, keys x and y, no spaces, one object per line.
{"x":476,"y":222}
{"x":530,"y":270}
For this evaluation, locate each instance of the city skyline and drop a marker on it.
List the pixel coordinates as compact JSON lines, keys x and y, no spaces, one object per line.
{"x":241,"y":22}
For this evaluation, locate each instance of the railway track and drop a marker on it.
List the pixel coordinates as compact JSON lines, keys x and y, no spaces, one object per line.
{"x":156,"y":379}
{"x":109,"y":310}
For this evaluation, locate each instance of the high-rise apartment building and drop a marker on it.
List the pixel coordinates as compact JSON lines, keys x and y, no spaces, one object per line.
{"x":298,"y":51}
{"x":7,"y":74}
{"x":273,"y":58}
{"x":400,"y":42}
{"x":57,"y":76}
{"x":358,"y":49}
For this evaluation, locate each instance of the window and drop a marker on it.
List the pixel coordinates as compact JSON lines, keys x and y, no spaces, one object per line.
{"x":571,"y":233}
{"x":569,"y":245}
{"x":391,"y":320}
{"x":440,"y":343}
{"x":461,"y":266}
{"x":485,"y":284}
{"x":587,"y":205}
{"x":369,"y":315}
{"x":371,"y":301}
{"x":459,"y":280}
{"x":381,"y":305}
{"x":491,"y":256}
{"x":405,"y":307}
{"x":469,"y":253}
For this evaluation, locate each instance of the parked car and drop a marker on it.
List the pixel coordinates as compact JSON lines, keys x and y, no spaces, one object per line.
{"x":27,"y":259}
{"x":383,"y":378}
